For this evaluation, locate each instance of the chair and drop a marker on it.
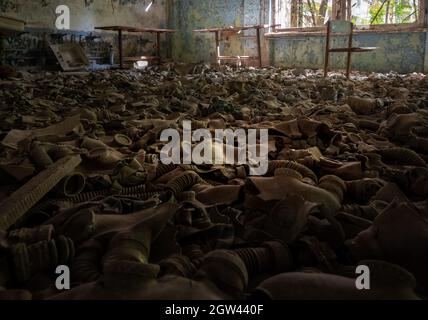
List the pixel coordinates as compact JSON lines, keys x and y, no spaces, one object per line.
{"x":343,"y":28}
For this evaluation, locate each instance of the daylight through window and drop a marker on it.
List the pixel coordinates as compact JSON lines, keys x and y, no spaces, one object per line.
{"x":315,"y":13}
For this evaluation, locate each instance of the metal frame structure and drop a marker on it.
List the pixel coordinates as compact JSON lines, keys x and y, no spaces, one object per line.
{"x":217,"y":32}
{"x":349,"y":50}
{"x":121,"y":29}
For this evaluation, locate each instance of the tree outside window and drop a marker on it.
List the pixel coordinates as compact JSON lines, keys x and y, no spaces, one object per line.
{"x":368,"y":12}
{"x":315,"y":13}
{"x":302,"y":13}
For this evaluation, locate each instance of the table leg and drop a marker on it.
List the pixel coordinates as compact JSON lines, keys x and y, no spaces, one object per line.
{"x":327,"y":50}
{"x":349,"y":61}
{"x":158,"y":51}
{"x":217,"y":47}
{"x":259,"y":48}
{"x":120,"y":48}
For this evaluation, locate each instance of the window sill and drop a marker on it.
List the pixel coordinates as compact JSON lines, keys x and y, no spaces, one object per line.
{"x":321,"y":31}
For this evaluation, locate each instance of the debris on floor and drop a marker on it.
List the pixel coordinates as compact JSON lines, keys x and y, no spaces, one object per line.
{"x":347,"y":185}
{"x":70,"y":56}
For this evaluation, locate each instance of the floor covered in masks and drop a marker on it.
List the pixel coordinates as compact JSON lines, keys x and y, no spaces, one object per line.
{"x":83,"y":185}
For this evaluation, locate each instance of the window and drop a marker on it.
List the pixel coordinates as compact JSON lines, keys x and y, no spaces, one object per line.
{"x":368,"y":12}
{"x":302,"y":13}
{"x":315,"y":13}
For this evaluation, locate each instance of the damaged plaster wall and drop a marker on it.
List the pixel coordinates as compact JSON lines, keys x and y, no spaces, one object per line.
{"x":85,"y":15}
{"x":188,"y":15}
{"x":402,"y":52}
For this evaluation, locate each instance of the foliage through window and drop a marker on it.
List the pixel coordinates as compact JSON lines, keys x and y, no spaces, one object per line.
{"x":302,"y":13}
{"x":315,"y":13}
{"x":367,"y":12}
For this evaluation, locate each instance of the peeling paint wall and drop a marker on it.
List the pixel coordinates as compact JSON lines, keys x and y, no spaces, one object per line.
{"x":402,"y":52}
{"x":188,"y":15}
{"x":85,"y":15}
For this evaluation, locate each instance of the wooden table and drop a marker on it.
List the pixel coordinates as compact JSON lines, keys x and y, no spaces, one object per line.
{"x":218,"y":31}
{"x":121,"y":29}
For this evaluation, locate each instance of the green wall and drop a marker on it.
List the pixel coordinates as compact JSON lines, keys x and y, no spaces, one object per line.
{"x":402,"y":52}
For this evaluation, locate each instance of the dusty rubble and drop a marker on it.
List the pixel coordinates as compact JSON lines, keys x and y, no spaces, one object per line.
{"x":347,"y":185}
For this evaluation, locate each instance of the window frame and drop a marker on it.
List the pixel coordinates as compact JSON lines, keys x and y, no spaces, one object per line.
{"x":419,"y":25}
